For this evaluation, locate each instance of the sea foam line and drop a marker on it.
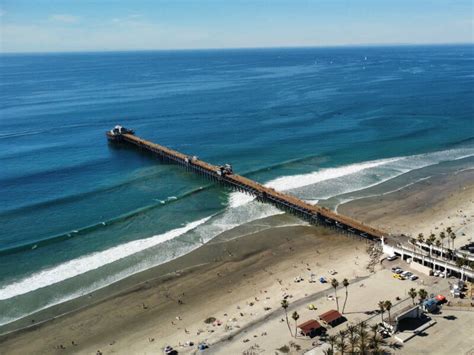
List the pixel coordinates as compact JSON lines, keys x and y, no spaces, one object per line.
{"x":400,"y":165}
{"x":291,"y":182}
{"x":90,"y":262}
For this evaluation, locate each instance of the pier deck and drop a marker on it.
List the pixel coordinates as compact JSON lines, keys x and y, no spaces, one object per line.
{"x":311,"y":213}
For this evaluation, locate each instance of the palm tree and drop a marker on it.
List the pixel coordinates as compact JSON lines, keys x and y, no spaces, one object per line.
{"x":459,"y":262}
{"x":422,"y":294}
{"x":442,"y":236}
{"x":345,"y":283}
{"x":351,"y":332}
{"x":388,"y":307}
{"x":341,"y":343}
{"x":375,"y":342}
{"x":438,"y":245}
{"x":332,"y":341}
{"x":413,"y":242}
{"x":362,"y":338}
{"x":374,"y":328}
{"x":335,"y":284}
{"x":412,"y":293}
{"x":382,"y":308}
{"x":295,"y":317}
{"x":471,"y":265}
{"x":421,"y":238}
{"x":452,"y":235}
{"x":284,"y":305}
{"x":432,"y":237}
{"x":429,"y":243}
{"x":328,"y":352}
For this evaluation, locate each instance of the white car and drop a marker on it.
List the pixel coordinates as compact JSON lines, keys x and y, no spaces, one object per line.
{"x":392,"y":257}
{"x":413,"y":277}
{"x":407,"y":274}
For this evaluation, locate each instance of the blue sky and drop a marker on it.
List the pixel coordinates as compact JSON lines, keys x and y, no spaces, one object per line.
{"x":75,"y":25}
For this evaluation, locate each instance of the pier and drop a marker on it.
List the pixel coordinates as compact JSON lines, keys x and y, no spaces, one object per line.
{"x":224,"y":175}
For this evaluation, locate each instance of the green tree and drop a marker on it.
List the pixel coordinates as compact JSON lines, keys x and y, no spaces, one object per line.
{"x":332,"y":339}
{"x":352,"y":337}
{"x":375,"y":342}
{"x":442,"y":236}
{"x":422,"y":294}
{"x":460,"y":262}
{"x":413,"y":242}
{"x":432,"y":238}
{"x":421,"y":238}
{"x":382,"y":308}
{"x":345,"y":283}
{"x":335,"y":284}
{"x":374,"y":328}
{"x":285,"y":305}
{"x":295,"y":317}
{"x":363,"y":337}
{"x":388,"y":307}
{"x":412,"y":293}
{"x":429,"y":242}
{"x":341,"y":345}
{"x":452,"y":235}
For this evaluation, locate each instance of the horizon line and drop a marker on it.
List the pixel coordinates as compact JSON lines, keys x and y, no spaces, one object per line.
{"x":400,"y":44}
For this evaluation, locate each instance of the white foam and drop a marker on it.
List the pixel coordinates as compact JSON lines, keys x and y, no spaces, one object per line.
{"x":285,"y":183}
{"x":353,"y":177}
{"x":237,"y":199}
{"x":90,"y":262}
{"x":301,"y":180}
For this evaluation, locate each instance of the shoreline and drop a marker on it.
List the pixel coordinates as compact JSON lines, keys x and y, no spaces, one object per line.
{"x":420,"y":197}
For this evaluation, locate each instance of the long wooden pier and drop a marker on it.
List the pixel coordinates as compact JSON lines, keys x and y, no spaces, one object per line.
{"x":223,"y":174}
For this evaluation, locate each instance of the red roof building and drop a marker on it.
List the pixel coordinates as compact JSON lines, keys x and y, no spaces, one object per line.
{"x":332,"y":318}
{"x":310,"y":327}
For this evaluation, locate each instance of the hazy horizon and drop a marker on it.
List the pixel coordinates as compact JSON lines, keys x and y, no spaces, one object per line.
{"x":359,"y":45}
{"x":45,"y":26}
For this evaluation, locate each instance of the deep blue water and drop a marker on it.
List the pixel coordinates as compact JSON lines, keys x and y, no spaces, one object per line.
{"x":318,"y":122}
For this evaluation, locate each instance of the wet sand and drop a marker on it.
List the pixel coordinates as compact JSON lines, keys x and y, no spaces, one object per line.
{"x":241,"y":282}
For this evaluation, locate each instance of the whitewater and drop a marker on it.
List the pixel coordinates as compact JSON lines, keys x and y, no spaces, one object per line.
{"x":241,"y":209}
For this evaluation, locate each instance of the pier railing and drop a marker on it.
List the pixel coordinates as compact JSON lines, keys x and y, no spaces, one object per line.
{"x":312,"y":213}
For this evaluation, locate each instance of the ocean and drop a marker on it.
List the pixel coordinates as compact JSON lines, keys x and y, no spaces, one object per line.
{"x":327,"y":124}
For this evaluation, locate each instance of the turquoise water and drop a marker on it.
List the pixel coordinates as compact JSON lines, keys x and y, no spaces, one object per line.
{"x":78,"y":214}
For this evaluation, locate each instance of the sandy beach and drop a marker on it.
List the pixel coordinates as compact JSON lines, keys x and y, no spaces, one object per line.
{"x":241,"y":281}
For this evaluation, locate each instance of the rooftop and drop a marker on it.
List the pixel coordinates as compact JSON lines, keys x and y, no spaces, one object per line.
{"x":330,"y":316}
{"x":309,"y":325}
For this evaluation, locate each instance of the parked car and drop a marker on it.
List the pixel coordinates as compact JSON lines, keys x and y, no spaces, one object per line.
{"x":398,"y":277}
{"x":413,"y":277}
{"x":436,"y":273}
{"x":395,"y":268}
{"x":407,"y":274}
{"x":399,"y":271}
{"x":392,"y":257}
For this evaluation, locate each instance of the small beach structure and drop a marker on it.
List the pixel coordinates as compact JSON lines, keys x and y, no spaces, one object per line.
{"x":332,"y":318}
{"x":406,"y":318}
{"x":311,"y":328}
